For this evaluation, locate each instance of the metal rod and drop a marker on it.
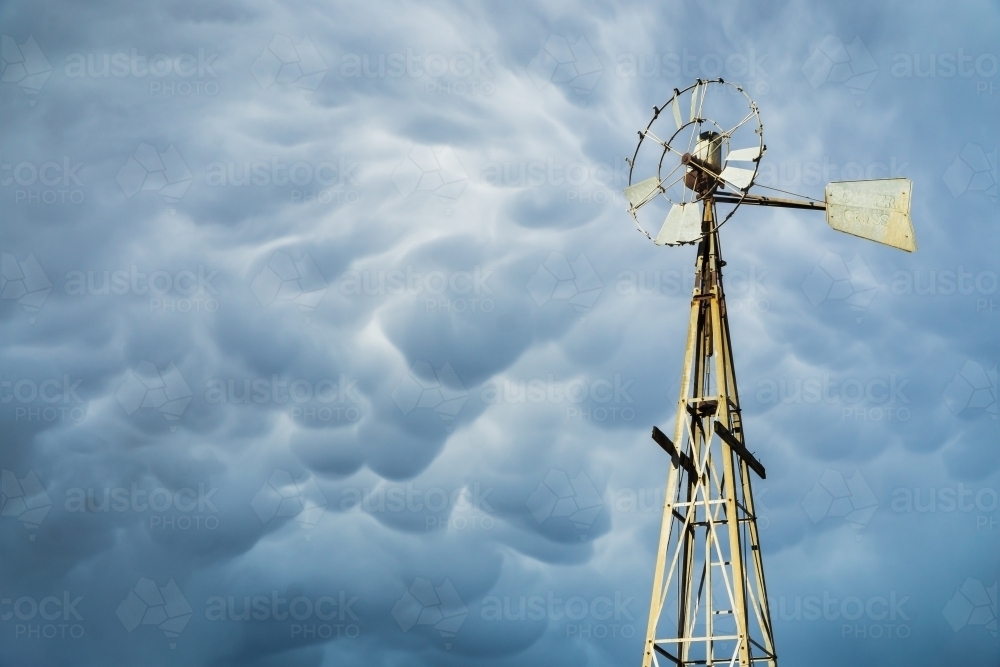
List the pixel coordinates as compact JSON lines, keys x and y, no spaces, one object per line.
{"x":760,"y":200}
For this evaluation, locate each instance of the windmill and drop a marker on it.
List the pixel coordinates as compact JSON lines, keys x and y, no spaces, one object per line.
{"x":709,"y":602}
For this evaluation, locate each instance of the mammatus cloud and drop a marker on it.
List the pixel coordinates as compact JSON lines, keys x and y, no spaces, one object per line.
{"x":421,"y":522}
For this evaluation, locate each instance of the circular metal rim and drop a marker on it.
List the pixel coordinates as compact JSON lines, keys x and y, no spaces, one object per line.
{"x":755,"y":112}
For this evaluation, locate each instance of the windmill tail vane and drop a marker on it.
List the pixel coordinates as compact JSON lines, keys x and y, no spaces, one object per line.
{"x":709,"y":603}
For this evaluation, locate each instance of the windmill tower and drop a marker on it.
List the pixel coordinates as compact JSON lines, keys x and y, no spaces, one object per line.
{"x":709,"y":602}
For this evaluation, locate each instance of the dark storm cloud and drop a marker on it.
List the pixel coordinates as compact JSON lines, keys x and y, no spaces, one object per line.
{"x":332,"y":342}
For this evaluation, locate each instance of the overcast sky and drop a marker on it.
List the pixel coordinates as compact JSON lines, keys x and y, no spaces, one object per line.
{"x":327,"y":339}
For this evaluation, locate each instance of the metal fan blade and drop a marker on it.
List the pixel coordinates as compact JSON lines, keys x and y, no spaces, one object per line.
{"x":677,"y":113}
{"x":683,"y":225}
{"x":641,"y":192}
{"x":877,"y":210}
{"x":694,"y":100}
{"x":740,"y":178}
{"x":744,"y":154}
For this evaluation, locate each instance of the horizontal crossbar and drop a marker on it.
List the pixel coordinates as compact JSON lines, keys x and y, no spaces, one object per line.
{"x":740,"y":449}
{"x":679,"y":458}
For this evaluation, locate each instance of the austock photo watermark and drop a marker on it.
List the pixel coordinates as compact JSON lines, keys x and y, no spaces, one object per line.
{"x":584,"y":182}
{"x":600,"y":400}
{"x":426,"y":387}
{"x":978,"y":286}
{"x":308,"y":400}
{"x":305,"y":617}
{"x":746,"y":66}
{"x":560,"y":279}
{"x":282,"y":497}
{"x":745,"y":288}
{"x":582,"y":617}
{"x":575,"y":498}
{"x":460,"y":73}
{"x":848,"y":496}
{"x":564,"y":499}
{"x":301,"y":617}
{"x":165,"y":75}
{"x":44,"y":182}
{"x":817,"y":173}
{"x":850,"y":63}
{"x":851,"y":282}
{"x":48,"y":399}
{"x":978,"y":68}
{"x":978,"y":503}
{"x":290,"y":63}
{"x":870,"y":399}
{"x":973,"y":608}
{"x":290,"y":278}
{"x":461,"y":508}
{"x":160,"y":508}
{"x":148,"y":603}
{"x":24,"y":499}
{"x":24,"y":281}
{"x":432,"y":609}
{"x":973,"y":172}
{"x":331,"y":181}
{"x":431,"y":170}
{"x":441,"y":291}
{"x":53,"y":617}
{"x":856,"y":618}
{"x":24,"y":65}
{"x":175,"y":291}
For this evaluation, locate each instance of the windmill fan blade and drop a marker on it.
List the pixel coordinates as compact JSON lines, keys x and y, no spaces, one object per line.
{"x":641,"y":192}
{"x":683,"y":225}
{"x":877,"y":210}
{"x":744,"y":154}
{"x":694,"y":100}
{"x":741,"y":178}
{"x":677,"y":113}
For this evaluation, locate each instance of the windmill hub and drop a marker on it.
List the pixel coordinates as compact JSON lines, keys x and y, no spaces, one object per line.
{"x":706,"y":161}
